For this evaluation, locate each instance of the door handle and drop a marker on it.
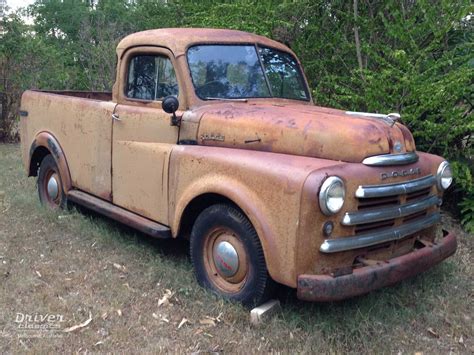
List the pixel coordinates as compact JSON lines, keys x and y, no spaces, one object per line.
{"x":116,"y":117}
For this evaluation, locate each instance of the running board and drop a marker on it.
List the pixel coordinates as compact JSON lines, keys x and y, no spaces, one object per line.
{"x":119,"y":214}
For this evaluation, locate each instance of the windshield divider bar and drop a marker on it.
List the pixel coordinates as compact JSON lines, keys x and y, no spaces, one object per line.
{"x":263,"y":69}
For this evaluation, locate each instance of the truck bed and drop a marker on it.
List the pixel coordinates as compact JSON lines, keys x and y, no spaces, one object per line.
{"x":82,"y":122}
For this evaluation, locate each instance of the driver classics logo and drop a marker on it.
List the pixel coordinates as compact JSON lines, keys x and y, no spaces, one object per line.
{"x":38,"y":325}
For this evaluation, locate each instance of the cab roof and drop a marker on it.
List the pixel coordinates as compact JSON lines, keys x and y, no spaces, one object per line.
{"x":178,"y":40}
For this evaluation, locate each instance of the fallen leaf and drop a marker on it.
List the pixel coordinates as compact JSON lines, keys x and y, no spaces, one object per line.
{"x":207,"y":322}
{"x":104,"y":316}
{"x":165,"y":299}
{"x":432,"y":332}
{"x":120,"y":267}
{"x":78,"y":326}
{"x":183,"y":321}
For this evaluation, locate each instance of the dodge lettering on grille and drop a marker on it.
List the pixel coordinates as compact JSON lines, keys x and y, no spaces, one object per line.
{"x":394,"y":174}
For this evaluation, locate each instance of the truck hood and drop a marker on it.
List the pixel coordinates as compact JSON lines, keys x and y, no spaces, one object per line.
{"x":299,"y":129}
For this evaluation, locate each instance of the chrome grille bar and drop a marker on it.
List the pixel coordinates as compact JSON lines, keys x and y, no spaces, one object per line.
{"x":376,"y":215}
{"x":395,"y":189}
{"x":373,"y":238}
{"x":391,"y":159}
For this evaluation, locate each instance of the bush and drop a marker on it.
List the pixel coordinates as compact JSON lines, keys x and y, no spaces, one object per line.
{"x":412,"y":57}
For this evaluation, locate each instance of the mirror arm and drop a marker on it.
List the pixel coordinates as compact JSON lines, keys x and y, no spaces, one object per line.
{"x":175,"y":121}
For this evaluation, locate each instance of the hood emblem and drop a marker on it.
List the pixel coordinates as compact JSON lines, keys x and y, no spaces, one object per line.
{"x":213,"y":137}
{"x":394,"y":117}
{"x":397,"y":147}
{"x":389,"y":119}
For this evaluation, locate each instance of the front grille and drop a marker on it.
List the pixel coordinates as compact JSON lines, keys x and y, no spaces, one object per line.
{"x":418,"y":194}
{"x":365,"y":227}
{"x":386,"y":213}
{"x":405,"y":201}
{"x":364,"y":203}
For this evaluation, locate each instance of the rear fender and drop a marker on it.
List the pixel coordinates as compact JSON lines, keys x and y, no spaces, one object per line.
{"x":45,"y":140}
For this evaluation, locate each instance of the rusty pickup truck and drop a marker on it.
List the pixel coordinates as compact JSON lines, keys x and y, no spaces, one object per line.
{"x":212,"y":135}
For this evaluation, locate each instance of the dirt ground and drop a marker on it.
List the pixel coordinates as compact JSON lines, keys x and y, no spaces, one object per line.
{"x":76,"y":282}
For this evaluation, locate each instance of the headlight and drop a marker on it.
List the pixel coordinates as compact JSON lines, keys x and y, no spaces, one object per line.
{"x":444,"y":176}
{"x":331,"y":196}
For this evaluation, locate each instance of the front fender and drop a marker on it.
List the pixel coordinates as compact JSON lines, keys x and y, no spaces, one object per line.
{"x":266,"y":186}
{"x":246,"y":199}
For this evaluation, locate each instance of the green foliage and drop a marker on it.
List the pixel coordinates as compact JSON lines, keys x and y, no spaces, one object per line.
{"x":412,"y":57}
{"x":464,"y":192}
{"x":467,"y":209}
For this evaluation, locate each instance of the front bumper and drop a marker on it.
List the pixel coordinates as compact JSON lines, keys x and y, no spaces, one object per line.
{"x":324,"y":288}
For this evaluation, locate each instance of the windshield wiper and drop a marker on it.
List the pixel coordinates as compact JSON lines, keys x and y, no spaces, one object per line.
{"x":225,"y":99}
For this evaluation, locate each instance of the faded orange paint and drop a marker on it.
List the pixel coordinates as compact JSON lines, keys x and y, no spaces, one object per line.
{"x":268,"y":156}
{"x":83,"y":129}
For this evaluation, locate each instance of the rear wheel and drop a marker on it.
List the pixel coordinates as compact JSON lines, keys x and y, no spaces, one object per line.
{"x":227,"y":256}
{"x":50,"y":189}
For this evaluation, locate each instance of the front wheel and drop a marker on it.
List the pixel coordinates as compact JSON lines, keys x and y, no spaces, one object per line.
{"x":50,"y":190}
{"x":227,"y":256}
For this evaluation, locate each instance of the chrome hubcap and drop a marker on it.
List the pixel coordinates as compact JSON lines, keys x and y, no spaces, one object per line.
{"x":53,"y":188}
{"x":226,"y":259}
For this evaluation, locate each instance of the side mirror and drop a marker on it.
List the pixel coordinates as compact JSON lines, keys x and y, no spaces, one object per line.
{"x":170,"y":104}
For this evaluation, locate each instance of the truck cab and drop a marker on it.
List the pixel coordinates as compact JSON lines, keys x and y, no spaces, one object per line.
{"x":212,"y":135}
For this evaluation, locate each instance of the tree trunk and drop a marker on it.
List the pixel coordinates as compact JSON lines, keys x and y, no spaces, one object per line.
{"x":357,"y":40}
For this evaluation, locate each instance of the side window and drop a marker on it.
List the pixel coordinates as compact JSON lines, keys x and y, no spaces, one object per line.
{"x":151,"y":77}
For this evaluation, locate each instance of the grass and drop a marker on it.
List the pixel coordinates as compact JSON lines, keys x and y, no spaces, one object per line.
{"x":80,"y":265}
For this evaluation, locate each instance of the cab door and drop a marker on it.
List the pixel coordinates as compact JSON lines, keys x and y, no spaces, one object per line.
{"x":142,"y":135}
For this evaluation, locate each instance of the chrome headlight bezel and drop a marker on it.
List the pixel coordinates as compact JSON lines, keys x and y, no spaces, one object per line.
{"x":442,"y":169}
{"x":324,"y":195}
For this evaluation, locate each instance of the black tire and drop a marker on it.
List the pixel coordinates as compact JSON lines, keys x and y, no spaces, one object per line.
{"x":251,"y":284}
{"x":47,"y":170}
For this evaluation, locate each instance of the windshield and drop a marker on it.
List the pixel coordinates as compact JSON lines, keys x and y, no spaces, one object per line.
{"x":245,"y":71}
